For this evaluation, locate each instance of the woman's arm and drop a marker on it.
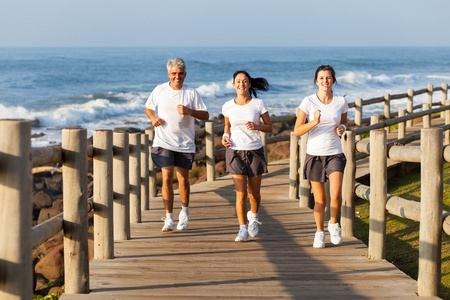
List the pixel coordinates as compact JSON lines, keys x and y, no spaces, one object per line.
{"x":226,"y":133}
{"x":266,"y":127}
{"x":342,"y":125}
{"x":301,"y":127}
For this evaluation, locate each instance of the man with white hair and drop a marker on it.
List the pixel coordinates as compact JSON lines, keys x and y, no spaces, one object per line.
{"x":177,"y":105}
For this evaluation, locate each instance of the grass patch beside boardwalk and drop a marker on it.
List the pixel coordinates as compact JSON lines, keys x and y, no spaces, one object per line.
{"x":402,"y":240}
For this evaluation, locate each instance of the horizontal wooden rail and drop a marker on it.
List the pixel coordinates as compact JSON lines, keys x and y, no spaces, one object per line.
{"x":46,"y":230}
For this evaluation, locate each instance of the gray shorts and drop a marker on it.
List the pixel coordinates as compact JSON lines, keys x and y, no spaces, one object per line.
{"x":166,"y":158}
{"x":319,"y":168}
{"x":246,"y":162}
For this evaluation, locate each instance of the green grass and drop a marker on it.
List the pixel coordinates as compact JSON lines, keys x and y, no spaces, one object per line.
{"x":402,"y":239}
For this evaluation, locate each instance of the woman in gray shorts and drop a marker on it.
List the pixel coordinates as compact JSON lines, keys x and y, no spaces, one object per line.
{"x":327,"y":115}
{"x":244,"y":154}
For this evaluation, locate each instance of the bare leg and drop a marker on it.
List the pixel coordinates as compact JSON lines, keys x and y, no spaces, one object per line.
{"x":240,"y":183}
{"x":336,"y":179}
{"x":254,"y":188}
{"x":184,"y":187}
{"x":320,"y":201}
{"x":167,"y":188}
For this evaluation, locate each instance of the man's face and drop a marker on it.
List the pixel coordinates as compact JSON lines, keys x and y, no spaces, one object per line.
{"x":176,"y":76}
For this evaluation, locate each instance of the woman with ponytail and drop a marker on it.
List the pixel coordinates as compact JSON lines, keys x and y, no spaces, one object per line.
{"x":244,"y":156}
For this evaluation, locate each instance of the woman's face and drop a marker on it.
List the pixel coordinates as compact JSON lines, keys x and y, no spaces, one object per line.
{"x":241,"y":84}
{"x":324,"y":80}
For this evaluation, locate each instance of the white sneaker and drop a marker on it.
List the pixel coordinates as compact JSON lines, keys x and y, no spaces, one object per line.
{"x":183,"y":220}
{"x":253,"y":224}
{"x":319,"y":240}
{"x":169,"y":225}
{"x":242,"y":235}
{"x":335,"y":233}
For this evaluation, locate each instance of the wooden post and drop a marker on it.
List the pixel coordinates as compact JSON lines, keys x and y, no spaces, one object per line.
{"x":401,"y":125}
{"x":378,"y":194}
{"x":348,"y":186}
{"x":209,"y":144}
{"x":426,"y":118}
{"x":75,"y":224}
{"x":153,"y":189}
{"x":431,"y":191}
{"x":145,"y":196}
{"x":135,"y":177}
{"x":444,"y":87}
{"x":447,"y":122}
{"x":103,"y":194}
{"x":16,"y":185}
{"x":121,"y":186}
{"x":305,"y":185}
{"x":387,"y":110}
{"x":293,"y":167}
{"x":374,"y":119}
{"x":264,"y":136}
{"x":409,"y":106}
{"x":430,"y":95}
{"x":358,"y":115}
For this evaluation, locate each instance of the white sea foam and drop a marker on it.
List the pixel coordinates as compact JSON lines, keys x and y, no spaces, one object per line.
{"x":215,"y":90}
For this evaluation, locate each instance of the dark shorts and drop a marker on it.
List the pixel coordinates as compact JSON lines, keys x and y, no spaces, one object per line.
{"x":319,"y":168}
{"x":166,"y":158}
{"x":246,"y":162}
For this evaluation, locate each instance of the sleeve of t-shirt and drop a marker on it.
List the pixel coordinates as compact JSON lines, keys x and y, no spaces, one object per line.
{"x":263,"y":108}
{"x":345,"y":106}
{"x":151,"y":101}
{"x":304,"y":106}
{"x":198,"y":102}
{"x":225,"y":110}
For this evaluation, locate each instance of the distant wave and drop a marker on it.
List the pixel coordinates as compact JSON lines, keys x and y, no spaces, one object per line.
{"x":76,"y":114}
{"x":216,"y":90}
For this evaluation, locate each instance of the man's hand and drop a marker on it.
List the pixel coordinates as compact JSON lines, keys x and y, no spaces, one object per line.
{"x":183,"y":110}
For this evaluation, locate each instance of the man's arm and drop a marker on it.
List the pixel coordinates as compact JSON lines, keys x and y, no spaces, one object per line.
{"x":154,"y":119}
{"x":198,"y":114}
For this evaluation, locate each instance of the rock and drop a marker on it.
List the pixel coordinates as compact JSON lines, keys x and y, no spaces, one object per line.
{"x":54,"y":182}
{"x":221,"y":168}
{"x":41,"y":199}
{"x":58,"y":205}
{"x":127,"y":130}
{"x":51,"y":266}
{"x":279,"y":151}
{"x":47,"y":213}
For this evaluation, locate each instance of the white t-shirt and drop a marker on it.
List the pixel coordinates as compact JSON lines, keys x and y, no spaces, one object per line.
{"x":323,"y":139}
{"x":178,"y":131}
{"x":241,"y":138}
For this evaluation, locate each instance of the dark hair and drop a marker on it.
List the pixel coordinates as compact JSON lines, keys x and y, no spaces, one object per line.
{"x":325,"y":68}
{"x":257,"y":84}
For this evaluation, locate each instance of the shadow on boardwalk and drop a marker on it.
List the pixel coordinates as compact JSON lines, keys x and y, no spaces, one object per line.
{"x":205,"y":262}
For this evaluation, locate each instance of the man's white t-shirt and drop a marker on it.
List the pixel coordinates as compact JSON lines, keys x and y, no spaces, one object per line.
{"x":241,"y":138}
{"x":323,"y":139}
{"x":178,"y":131}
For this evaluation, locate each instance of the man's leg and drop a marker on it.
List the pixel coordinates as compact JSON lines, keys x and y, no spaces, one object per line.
{"x":184,"y":187}
{"x":167,"y":188}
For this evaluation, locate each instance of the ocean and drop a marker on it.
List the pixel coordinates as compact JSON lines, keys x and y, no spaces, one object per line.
{"x":104,"y":88}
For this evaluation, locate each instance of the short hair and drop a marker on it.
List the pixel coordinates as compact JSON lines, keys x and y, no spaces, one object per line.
{"x":325,"y":68}
{"x":177,"y":63}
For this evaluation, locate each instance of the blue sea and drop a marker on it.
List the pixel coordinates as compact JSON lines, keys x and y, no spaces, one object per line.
{"x":104,"y":88}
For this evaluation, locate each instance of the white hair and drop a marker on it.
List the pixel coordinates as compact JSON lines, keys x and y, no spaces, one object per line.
{"x":177,"y":63}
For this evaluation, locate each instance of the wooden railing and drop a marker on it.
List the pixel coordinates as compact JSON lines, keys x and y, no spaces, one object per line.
{"x":124,"y":181}
{"x":433,"y":151}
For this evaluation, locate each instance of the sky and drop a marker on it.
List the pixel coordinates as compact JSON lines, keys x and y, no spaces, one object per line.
{"x":224,"y":23}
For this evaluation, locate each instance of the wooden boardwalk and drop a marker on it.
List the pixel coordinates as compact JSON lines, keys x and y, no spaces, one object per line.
{"x":204,"y":262}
